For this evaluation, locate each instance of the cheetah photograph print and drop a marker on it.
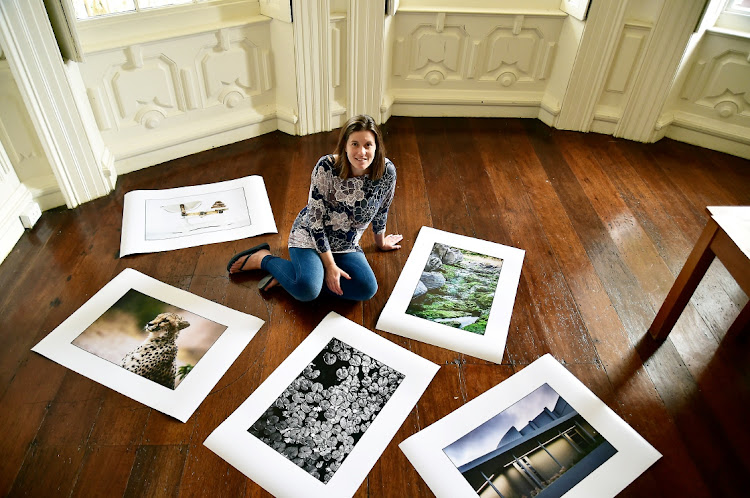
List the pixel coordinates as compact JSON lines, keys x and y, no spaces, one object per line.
{"x":150,"y":338}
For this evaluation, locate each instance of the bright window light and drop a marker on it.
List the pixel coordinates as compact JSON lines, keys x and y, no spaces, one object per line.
{"x":87,"y":9}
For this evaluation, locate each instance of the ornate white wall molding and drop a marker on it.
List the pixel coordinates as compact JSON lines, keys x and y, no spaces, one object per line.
{"x":473,"y":64}
{"x":31,"y":50}
{"x":711,"y":102}
{"x":662,"y":55}
{"x":17,"y":132}
{"x":598,"y":44}
{"x":620,"y":77}
{"x":165,"y":99}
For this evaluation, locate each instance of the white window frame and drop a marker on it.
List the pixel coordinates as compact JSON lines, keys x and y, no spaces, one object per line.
{"x":733,"y":19}
{"x":78,"y":37}
{"x":136,"y":7}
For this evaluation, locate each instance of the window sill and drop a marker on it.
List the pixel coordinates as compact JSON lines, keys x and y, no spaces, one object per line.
{"x":118,"y":31}
{"x":731,"y":33}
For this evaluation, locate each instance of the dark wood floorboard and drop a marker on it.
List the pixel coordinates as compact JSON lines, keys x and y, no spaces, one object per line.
{"x":606,"y":225}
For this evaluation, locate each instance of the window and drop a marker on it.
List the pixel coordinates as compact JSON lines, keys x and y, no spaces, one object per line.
{"x":741,"y":6}
{"x":735,"y":16}
{"x":86,"y":26}
{"x":86,"y":9}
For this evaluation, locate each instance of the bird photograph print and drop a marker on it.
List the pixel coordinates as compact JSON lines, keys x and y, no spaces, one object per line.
{"x":150,"y":338}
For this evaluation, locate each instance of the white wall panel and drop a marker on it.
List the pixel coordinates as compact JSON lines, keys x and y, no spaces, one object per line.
{"x":472,"y":64}
{"x":338,"y":39}
{"x":183,"y":94}
{"x":627,"y":57}
{"x":713,"y":108}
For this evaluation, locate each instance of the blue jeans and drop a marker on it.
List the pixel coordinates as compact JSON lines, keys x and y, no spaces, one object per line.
{"x":303,"y":276}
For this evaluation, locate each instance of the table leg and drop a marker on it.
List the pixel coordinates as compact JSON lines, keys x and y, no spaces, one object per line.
{"x":741,"y":323}
{"x":695,"y":267}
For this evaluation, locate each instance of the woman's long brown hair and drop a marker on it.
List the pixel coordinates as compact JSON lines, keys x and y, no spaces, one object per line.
{"x":362,"y":122}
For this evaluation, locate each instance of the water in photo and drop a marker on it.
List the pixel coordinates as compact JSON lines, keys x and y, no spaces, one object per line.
{"x":456,"y":288}
{"x":540,"y":446}
{"x":319,"y":418}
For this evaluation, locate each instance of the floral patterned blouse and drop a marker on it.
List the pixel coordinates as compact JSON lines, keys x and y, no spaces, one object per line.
{"x":338,"y":211}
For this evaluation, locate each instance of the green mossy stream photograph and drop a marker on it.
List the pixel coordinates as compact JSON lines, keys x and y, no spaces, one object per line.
{"x":456,"y":288}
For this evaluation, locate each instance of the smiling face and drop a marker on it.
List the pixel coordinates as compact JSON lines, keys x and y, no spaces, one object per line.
{"x":360,"y":151}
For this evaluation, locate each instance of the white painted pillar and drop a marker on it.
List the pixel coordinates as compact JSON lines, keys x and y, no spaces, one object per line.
{"x":366,"y":45}
{"x":311,"y":20}
{"x":666,"y":45}
{"x":598,"y":45}
{"x":34,"y":58}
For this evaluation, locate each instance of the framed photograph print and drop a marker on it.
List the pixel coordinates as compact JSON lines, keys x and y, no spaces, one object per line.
{"x":164,"y":220}
{"x":321,"y":420}
{"x":159,"y":345}
{"x":539,"y":433}
{"x":455,"y":292}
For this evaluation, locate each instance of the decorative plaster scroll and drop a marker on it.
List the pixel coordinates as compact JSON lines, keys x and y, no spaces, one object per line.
{"x":721,"y":83}
{"x":438,"y":47}
{"x":150,"y":117}
{"x":731,"y":73}
{"x":434,"y":77}
{"x":230,"y":68}
{"x":437,"y":51}
{"x":146,"y":81}
{"x":233,"y":69}
{"x":727,"y":108}
{"x":507,"y":78}
{"x":505,"y":49}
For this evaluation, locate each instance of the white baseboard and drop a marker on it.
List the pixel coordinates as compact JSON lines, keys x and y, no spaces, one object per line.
{"x":471,"y":104}
{"x":697,"y":130}
{"x":464,"y":110}
{"x":603,"y":126}
{"x":45,"y":191}
{"x":11,"y":228}
{"x":168,"y":149}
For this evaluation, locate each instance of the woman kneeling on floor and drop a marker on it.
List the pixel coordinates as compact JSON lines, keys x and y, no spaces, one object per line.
{"x":349,"y":190}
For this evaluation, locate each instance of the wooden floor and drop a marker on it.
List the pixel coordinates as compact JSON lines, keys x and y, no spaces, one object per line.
{"x":606,"y":225}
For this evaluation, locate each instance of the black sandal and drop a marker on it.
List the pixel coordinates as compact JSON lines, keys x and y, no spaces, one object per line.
{"x":247,"y":253}
{"x":263,"y":284}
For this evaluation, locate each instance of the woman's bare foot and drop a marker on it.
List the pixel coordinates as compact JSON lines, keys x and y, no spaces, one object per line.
{"x":251,"y":262}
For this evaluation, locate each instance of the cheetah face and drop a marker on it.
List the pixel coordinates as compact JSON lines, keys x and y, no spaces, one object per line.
{"x":167,"y":324}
